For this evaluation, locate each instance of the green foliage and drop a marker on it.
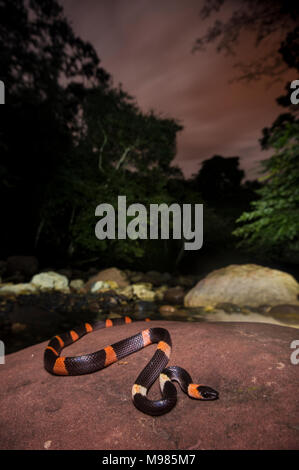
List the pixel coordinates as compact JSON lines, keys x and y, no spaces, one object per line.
{"x":273,"y":222}
{"x":146,"y":189}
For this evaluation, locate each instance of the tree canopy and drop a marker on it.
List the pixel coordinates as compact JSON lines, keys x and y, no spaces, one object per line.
{"x":273,"y":222}
{"x":219,"y":178}
{"x":263,"y":19}
{"x":69,"y":140}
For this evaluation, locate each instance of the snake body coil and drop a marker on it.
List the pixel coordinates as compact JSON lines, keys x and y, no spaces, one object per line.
{"x":86,"y":364}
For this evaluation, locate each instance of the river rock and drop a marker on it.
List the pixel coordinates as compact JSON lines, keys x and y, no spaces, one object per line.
{"x":286,"y":312}
{"x":159,"y":292}
{"x":174,"y":295}
{"x":285,"y":309}
{"x":246,"y":284}
{"x":98,"y":286}
{"x":143,"y":291}
{"x":76,"y":284}
{"x":167,"y":310}
{"x":228,"y":307}
{"x":17,"y":289}
{"x":248,"y":363}
{"x":110,"y":274}
{"x":50,"y":280}
{"x":126,"y":291}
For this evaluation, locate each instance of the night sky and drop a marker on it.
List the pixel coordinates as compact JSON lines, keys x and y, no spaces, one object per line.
{"x":146,"y":45}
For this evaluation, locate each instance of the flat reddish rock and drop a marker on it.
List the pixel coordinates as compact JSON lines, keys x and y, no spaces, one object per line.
{"x":248,"y":363}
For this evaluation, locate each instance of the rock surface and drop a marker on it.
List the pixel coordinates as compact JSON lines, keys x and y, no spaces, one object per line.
{"x":17,"y":289}
{"x":249,"y":364}
{"x":246,"y":284}
{"x":143,"y":291}
{"x":76,"y":284}
{"x":174,"y":295}
{"x":50,"y":280}
{"x":110,"y":274}
{"x":287,"y":313}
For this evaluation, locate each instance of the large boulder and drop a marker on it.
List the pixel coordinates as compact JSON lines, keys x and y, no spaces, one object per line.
{"x":246,"y":284}
{"x":248,"y":363}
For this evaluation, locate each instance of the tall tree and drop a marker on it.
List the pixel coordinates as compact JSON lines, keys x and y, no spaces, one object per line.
{"x":263,"y":19}
{"x":69,"y":140}
{"x":46,"y":69}
{"x":125,"y":152}
{"x":219,"y":178}
{"x":273,"y":223}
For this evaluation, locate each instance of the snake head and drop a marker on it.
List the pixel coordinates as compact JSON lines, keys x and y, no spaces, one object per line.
{"x":202,"y":392}
{"x":207,"y":393}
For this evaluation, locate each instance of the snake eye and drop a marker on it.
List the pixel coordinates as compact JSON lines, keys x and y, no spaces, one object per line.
{"x":207,"y":393}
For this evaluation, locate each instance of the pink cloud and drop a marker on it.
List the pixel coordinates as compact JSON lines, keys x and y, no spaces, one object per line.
{"x":146,"y":45}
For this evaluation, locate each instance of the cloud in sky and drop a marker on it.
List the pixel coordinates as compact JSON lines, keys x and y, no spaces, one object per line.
{"x":146,"y":45}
